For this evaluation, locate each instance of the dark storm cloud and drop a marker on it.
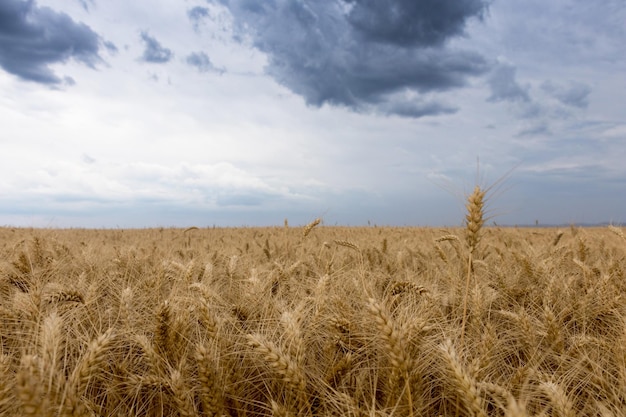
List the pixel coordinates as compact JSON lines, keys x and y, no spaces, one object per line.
{"x":201,"y":62}
{"x":155,"y":53}
{"x":32,"y":38}
{"x":504,"y":86}
{"x":407,"y":108}
{"x":358,"y":53}
{"x":574,"y":94}
{"x":411,"y":22}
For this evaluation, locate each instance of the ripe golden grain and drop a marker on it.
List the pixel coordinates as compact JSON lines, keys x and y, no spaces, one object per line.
{"x":394,"y":341}
{"x":545,"y":322}
{"x":285,"y":367}
{"x":30,"y":387}
{"x":348,"y":244}
{"x":90,"y":365}
{"x":464,"y":384}
{"x":474,"y":219}
{"x":307,"y":229}
{"x":211,"y":395}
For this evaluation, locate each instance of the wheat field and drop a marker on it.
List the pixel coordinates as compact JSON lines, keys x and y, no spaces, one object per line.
{"x":313,"y":321}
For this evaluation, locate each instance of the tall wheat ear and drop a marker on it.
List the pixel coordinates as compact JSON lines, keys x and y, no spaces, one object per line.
{"x":475,"y":219}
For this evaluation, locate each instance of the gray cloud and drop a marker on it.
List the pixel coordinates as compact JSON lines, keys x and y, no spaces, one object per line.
{"x":86,"y":4}
{"x":155,"y":53}
{"x":110,"y":47}
{"x":357,"y":53}
{"x":32,"y":38}
{"x":416,"y":108}
{"x":410,"y":22}
{"x":574,"y":94}
{"x":543,"y":114}
{"x":197,"y":13}
{"x":504,"y":86}
{"x":535,"y":130}
{"x":201,"y":62}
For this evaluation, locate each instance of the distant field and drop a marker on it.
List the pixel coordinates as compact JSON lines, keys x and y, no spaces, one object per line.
{"x":313,"y":321}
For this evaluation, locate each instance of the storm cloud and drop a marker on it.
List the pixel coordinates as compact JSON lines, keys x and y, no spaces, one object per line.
{"x":32,"y":38}
{"x":154,"y":52}
{"x":411,"y":22}
{"x":359,"y":53}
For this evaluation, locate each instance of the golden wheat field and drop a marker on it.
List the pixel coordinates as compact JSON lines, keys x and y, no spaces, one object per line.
{"x":313,"y":321}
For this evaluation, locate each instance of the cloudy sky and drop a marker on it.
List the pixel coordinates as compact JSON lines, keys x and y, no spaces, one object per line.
{"x":145,"y":113}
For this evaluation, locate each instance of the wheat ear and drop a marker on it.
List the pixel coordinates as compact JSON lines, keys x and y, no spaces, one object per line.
{"x":464,"y":383}
{"x":561,"y":404}
{"x":474,"y":220}
{"x":348,"y":244}
{"x":285,"y":368}
{"x":211,"y":396}
{"x":126,"y":306}
{"x":180,"y":395}
{"x":30,"y":390}
{"x":89,"y":365}
{"x":310,"y":226}
{"x":395,"y":345}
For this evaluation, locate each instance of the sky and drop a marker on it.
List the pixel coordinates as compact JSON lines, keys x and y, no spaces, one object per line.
{"x":200,"y":113}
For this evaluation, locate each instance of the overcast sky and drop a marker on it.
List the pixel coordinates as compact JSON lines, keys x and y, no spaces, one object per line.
{"x":145,"y":113}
